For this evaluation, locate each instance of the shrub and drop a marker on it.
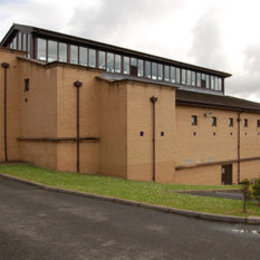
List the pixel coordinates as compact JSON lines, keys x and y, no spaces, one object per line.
{"x":256,"y":190}
{"x":247,"y":192}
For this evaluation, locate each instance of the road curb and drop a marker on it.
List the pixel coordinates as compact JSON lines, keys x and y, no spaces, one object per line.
{"x":188,"y":213}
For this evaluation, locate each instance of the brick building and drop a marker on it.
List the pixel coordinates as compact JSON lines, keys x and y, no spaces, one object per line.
{"x":73,"y":104}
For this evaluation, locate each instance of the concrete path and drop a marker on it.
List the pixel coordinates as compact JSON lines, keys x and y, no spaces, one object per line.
{"x":38,"y":224}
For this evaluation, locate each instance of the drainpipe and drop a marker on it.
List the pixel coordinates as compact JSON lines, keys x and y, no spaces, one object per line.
{"x":238,"y":146}
{"x":153,"y":99}
{"x":5,"y":66}
{"x":78,"y":84}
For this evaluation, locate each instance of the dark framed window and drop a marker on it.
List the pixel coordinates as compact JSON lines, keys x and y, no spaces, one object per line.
{"x":101,"y":59}
{"x":166,"y":73}
{"x":126,"y":65}
{"x":160,"y":72}
{"x":83,"y":56}
{"x":245,"y":122}
{"x":231,"y":122}
{"x":118,"y":65}
{"x":41,"y":49}
{"x":173,"y":74}
{"x":194,"y":120}
{"x":110,"y":62}
{"x":140,"y":69}
{"x":213,"y":121}
{"x":26,"y":84}
{"x":148,"y":69}
{"x":92,"y":58}
{"x":52,"y":50}
{"x":154,"y":70}
{"x":63,"y":52}
{"x":258,"y":123}
{"x":74,"y":54}
{"x":203,"y":80}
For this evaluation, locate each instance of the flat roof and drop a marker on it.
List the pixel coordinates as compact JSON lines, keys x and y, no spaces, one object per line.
{"x":191,"y":98}
{"x":107,"y":47}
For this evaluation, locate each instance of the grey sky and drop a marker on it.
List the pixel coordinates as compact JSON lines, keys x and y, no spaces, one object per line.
{"x":220,"y":34}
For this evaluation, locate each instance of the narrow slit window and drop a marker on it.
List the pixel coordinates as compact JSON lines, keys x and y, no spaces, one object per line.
{"x":194,"y":120}
{"x":213,"y":121}
{"x":26,"y":85}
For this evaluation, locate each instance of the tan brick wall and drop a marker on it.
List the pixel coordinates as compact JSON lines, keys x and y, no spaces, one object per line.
{"x":13,"y":104}
{"x":112,"y":108}
{"x":66,"y":118}
{"x":140,"y":118}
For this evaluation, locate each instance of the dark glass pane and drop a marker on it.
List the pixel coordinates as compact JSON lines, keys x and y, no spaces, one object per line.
{"x":188,"y":77}
{"x":193,"y":80}
{"x":117,"y":63}
{"x":148,"y":69}
{"x":83,"y":56}
{"x":126,"y":65}
{"x":140,"y":72}
{"x":52,"y":51}
{"x":101,"y":59}
{"x":173,"y":74}
{"x":62,"y":52}
{"x":110,"y":62}
{"x":183,"y":75}
{"x":73,"y":54}
{"x":166,"y":73}
{"x":160,"y":71}
{"x":41,"y":52}
{"x":24,"y":41}
{"x":19,"y":41}
{"x":198,"y":79}
{"x":154,"y":70}
{"x":178,"y":77}
{"x":92,"y":58}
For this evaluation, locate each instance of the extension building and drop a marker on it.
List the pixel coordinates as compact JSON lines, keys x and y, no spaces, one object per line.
{"x":73,"y":104}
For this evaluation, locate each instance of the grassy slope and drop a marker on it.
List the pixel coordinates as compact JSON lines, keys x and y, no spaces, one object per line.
{"x":154,"y":193}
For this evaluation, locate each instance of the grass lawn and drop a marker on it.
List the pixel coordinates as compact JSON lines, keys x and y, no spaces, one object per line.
{"x":154,"y":193}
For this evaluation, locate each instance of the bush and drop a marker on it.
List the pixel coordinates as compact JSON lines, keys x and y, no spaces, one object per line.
{"x":247,"y":192}
{"x":256,"y":190}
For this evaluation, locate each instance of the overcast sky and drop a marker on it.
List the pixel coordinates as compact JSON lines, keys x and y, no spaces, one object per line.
{"x":219,"y":34}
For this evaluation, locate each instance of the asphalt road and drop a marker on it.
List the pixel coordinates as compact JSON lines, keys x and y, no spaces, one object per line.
{"x":38,"y":224}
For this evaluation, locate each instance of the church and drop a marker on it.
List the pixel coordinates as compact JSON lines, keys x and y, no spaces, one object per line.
{"x":78,"y":105}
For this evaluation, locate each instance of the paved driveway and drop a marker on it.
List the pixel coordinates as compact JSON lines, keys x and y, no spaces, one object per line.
{"x":37,"y":224}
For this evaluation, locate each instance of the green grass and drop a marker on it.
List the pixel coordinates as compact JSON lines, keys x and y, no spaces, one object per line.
{"x":154,"y":193}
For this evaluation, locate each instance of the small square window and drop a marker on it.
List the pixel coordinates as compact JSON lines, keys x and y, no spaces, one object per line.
{"x":194,"y":120}
{"x":213,"y":121}
{"x":245,"y":122}
{"x":26,"y":85}
{"x":231,"y":122}
{"x":258,"y":123}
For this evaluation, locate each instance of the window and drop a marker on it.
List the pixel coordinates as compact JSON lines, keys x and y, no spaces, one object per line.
{"x":19,"y":41}
{"x":73,"y":54}
{"x":41,"y":52}
{"x":117,"y":63}
{"x":198,"y":79}
{"x":213,"y":121}
{"x":219,"y":84}
{"x":126,"y":65}
{"x":134,"y":62}
{"x":194,"y":120}
{"x":110,"y":62}
{"x":212,"y":82}
{"x":62,"y":52}
{"x":26,"y":85}
{"x":92,"y":58}
{"x":173,"y":75}
{"x":183,"y":76}
{"x":83,"y":56}
{"x":203,"y":80}
{"x":231,"y":122}
{"x":188,"y":77}
{"x":258,"y":123}
{"x":160,"y":71}
{"x":28,"y":45}
{"x":15,"y":42}
{"x":166,"y":73}
{"x":193,"y":80}
{"x":140,"y":68}
{"x":52,"y":50}
{"x":245,"y":122}
{"x":207,"y":81}
{"x":24,"y":41}
{"x":154,"y":70}
{"x":178,"y":77}
{"x":148,"y":69}
{"x":101,"y":59}
{"x":216,"y":83}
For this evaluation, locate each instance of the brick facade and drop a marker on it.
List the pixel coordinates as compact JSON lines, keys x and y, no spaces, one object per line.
{"x":116,"y":121}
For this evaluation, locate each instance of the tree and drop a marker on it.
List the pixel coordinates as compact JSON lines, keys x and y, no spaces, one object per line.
{"x":256,"y":190}
{"x":247,"y":192}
